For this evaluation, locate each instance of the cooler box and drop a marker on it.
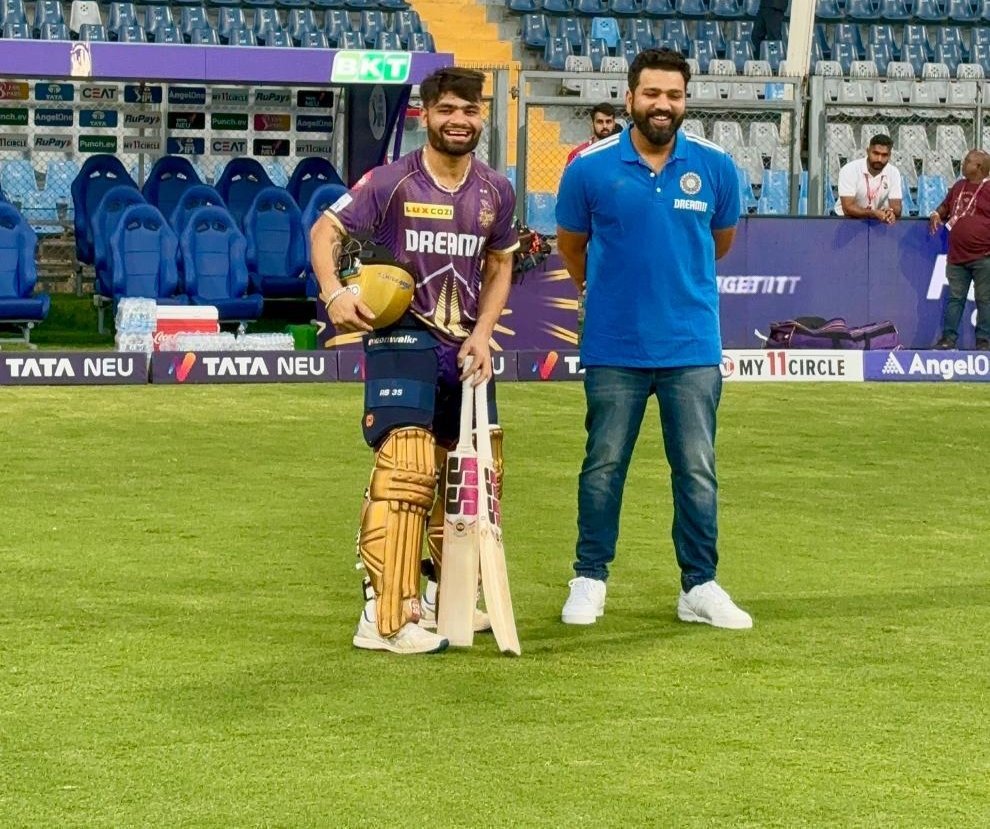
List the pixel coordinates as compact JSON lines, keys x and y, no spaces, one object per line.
{"x":185,"y":319}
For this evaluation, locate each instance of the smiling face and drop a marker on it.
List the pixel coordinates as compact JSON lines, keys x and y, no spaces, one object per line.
{"x":453,"y":125}
{"x":657,"y":104}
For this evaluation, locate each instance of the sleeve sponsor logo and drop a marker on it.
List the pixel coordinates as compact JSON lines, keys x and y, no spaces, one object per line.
{"x":420,"y":210}
{"x":341,"y":203}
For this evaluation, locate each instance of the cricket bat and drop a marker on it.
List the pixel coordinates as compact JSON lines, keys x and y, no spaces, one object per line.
{"x":494,"y":577}
{"x":459,"y":568}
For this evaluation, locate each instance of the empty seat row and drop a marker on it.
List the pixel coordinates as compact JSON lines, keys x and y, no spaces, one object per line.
{"x":927,"y":11}
{"x":657,"y":9}
{"x":675,"y":33}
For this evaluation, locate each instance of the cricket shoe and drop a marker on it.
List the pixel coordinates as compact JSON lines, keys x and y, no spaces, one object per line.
{"x":410,"y":639}
{"x":710,"y":604}
{"x":428,"y":612}
{"x":586,"y":603}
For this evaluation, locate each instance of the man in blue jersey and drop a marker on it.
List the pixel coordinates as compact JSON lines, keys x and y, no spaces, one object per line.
{"x":641,"y":218}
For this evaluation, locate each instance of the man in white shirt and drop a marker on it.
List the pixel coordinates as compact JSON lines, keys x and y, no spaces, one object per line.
{"x":870,"y":188}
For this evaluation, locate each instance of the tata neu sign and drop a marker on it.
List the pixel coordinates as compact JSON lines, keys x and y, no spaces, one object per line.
{"x":243,"y":367}
{"x":73,"y":368}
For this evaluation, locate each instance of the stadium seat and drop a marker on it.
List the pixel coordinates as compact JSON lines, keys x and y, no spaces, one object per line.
{"x":230,"y":19}
{"x":131,"y":33}
{"x":421,"y":42}
{"x":880,"y":55}
{"x":591,"y":8}
{"x":916,"y":55}
{"x":206,"y":37}
{"x":606,"y":29}
{"x":371,"y":23}
{"x":523,"y":6}
{"x":774,"y":194}
{"x":46,"y":11}
{"x":862,"y":11}
{"x":950,"y":55}
{"x":751,"y":161}
{"x":757,"y":68}
{"x":931,"y":192}
{"x":980,"y":55}
{"x":595,"y":51}
{"x":199,"y":195}
{"x":17,"y":178}
{"x":939,"y":165}
{"x":555,"y":53}
{"x":143,"y":253}
{"x":59,"y":176}
{"x":535,"y":31}
{"x":214,"y":257}
{"x":20,"y":306}
{"x":104,"y":222}
{"x":407,"y":23}
{"x":320,"y":199}
{"x":628,"y":49}
{"x":276,"y":172}
{"x":675,"y":33}
{"x":558,"y":7}
{"x":883,"y":33}
{"x":915,"y":34}
{"x":170,"y":176}
{"x":929,"y":11}
{"x":728,"y":135}
{"x":310,"y":174}
{"x":764,"y":136}
{"x":829,"y":10}
{"x":727,"y":9}
{"x":711,"y":30}
{"x":983,"y":15}
{"x":192,"y":18}
{"x":351,"y":40}
{"x":55,"y":31}
{"x":740,"y":52}
{"x":97,"y":175}
{"x":93,"y":33}
{"x":963,"y":11}
{"x":894,"y":11}
{"x":692,"y":9}
{"x":239,"y":183}
{"x":276,"y":246}
{"x":390,"y":5}
{"x":747,"y":201}
{"x":848,"y":33}
{"x":388,"y":41}
{"x":773,"y":52}
{"x":908,"y":169}
{"x":623,"y":8}
{"x":641,"y":30}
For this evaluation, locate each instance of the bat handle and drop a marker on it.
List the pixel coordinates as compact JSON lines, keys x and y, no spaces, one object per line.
{"x":464,"y":441}
{"x":484,"y":440}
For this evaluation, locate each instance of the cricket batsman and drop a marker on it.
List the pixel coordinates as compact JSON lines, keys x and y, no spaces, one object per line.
{"x":447,"y":219}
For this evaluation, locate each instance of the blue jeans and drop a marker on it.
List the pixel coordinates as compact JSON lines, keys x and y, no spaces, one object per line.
{"x":959,"y":277}
{"x":617,"y":399}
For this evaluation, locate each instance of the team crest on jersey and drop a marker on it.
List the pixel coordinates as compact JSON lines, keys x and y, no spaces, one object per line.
{"x":691,"y":183}
{"x":486,"y":215}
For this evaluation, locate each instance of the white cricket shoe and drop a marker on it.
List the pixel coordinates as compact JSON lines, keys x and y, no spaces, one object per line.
{"x":428,"y":611}
{"x":710,"y":604}
{"x":410,"y":639}
{"x":586,"y":603}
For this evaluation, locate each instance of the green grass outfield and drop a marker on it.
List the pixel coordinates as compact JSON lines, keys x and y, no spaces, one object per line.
{"x":178,"y":593}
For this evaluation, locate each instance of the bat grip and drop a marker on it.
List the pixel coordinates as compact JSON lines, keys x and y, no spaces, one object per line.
{"x":467,"y":409}
{"x":484,"y":438}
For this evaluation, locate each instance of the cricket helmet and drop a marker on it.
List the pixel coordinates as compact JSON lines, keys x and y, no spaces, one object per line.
{"x":381,"y":283}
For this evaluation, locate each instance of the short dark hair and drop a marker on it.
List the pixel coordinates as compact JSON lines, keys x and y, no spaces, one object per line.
{"x":464,"y":83}
{"x":658,"y":59}
{"x":604,"y":109}
{"x":881,"y":140}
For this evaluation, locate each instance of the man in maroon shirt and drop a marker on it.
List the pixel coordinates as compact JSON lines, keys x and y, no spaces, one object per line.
{"x":965,"y":212}
{"x":602,"y":126}
{"x":450,"y":218}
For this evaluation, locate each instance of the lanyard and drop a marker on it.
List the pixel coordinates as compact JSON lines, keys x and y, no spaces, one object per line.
{"x":962,"y":213}
{"x":873,"y":194}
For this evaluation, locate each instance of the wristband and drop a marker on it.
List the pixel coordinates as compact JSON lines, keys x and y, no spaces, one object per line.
{"x":333,"y":296}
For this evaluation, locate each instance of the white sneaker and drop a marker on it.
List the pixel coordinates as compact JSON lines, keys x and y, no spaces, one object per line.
{"x":410,"y":639}
{"x":428,"y":612}
{"x":586,"y":603}
{"x":710,"y":604}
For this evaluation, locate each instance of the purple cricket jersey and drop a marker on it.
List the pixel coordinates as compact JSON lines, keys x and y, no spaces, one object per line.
{"x":443,"y":235}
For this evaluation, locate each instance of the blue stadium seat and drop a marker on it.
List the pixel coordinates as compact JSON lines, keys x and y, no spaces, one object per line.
{"x":59,"y":177}
{"x":883,"y":33}
{"x":556,"y":52}
{"x":641,"y":30}
{"x":19,"y":304}
{"x":558,"y":7}
{"x":863,"y":11}
{"x":239,"y":183}
{"x":908,"y":205}
{"x":361,"y":5}
{"x":572,"y":30}
{"x":421,"y":42}
{"x":691,"y":8}
{"x":675,"y":31}
{"x":393,"y":5}
{"x":206,"y":37}
{"x":40,"y":208}
{"x":350,"y":40}
{"x":46,"y":11}
{"x":963,"y":11}
{"x":12,"y":11}
{"x":320,"y":199}
{"x":55,"y":31}
{"x":93,"y":33}
{"x":230,"y":19}
{"x":168,"y":33}
{"x":931,"y":192}
{"x":774,"y":194}
{"x":739,"y":51}
{"x":97,"y":175}
{"x":607,"y":29}
{"x":747,"y":201}
{"x":155,"y":16}
{"x":535,"y":31}
{"x":881,"y":54}
{"x":951,"y":36}
{"x":894,"y":11}
{"x":829,"y":10}
{"x":192,"y":18}
{"x":711,"y":30}
{"x":168,"y":179}
{"x":949,"y":54}
{"x":372,"y":22}
{"x":591,"y":8}
{"x":143,"y":252}
{"x":406,"y":23}
{"x":523,"y":6}
{"x":658,"y":8}
{"x":773,"y":52}
{"x":628,"y":49}
{"x":276,"y":172}
{"x":702,"y":51}
{"x":119,"y":15}
{"x":310,"y":174}
{"x":314,"y":40}
{"x":915,"y":34}
{"x":104,"y":222}
{"x":276,"y":245}
{"x":17,"y":179}
{"x":389,"y":41}
{"x":15,"y":30}
{"x":984,"y":11}
{"x":916,"y":54}
{"x":929,"y":11}
{"x":844,"y":54}
{"x":980,"y":55}
{"x":266,"y":19}
{"x":727,"y":9}
{"x":214,"y":257}
{"x":623,"y":8}
{"x":595,"y":50}
{"x":131,"y":33}
{"x":199,"y":195}
{"x":849,"y":33}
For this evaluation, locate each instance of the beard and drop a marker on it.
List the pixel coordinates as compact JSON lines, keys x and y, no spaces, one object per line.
{"x":603,"y":132}
{"x":442,"y":144}
{"x":876,"y":167}
{"x":658,"y":136}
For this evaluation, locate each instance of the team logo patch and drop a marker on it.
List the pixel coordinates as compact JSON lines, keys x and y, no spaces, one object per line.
{"x":369,"y":421}
{"x":486,"y":215}
{"x":419,"y":210}
{"x":691,"y":183}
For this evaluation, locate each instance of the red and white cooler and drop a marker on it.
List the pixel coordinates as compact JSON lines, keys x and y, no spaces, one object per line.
{"x":185,"y":319}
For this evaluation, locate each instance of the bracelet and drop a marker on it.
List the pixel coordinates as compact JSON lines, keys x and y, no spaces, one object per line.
{"x":333,"y":296}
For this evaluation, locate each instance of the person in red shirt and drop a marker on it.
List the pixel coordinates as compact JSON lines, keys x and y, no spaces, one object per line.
{"x":965,"y":212}
{"x":602,"y":124}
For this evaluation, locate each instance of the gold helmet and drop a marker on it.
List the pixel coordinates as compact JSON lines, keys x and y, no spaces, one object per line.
{"x":385,"y":287}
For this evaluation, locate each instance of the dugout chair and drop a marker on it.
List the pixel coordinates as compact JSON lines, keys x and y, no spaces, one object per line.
{"x":142,"y":251}
{"x":311,"y":173}
{"x":214,"y":257}
{"x":98,"y":174}
{"x":169,"y":178}
{"x":105,"y":220}
{"x":242,"y":179}
{"x":20,"y":307}
{"x":199,"y":195}
{"x":276,"y":246}
{"x":323,"y":196}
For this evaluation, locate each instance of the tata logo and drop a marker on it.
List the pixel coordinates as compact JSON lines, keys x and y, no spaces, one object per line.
{"x":54,"y":92}
{"x":98,"y":93}
{"x":224,"y":146}
{"x":370,"y":66}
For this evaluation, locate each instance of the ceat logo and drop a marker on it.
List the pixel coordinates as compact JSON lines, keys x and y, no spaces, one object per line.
{"x":181,"y":367}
